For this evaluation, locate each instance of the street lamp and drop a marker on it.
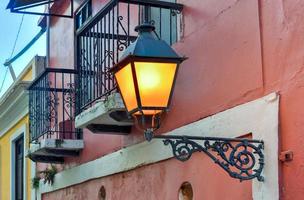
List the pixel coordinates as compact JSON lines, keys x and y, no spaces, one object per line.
{"x":146,"y":75}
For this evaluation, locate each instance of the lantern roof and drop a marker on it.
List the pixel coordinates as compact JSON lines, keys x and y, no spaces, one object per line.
{"x":148,"y":45}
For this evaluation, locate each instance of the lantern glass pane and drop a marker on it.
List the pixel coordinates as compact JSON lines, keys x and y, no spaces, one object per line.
{"x":155,"y":82}
{"x":125,"y":82}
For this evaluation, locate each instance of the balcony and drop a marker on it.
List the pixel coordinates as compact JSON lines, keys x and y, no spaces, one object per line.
{"x":99,"y":44}
{"x":53,"y":135}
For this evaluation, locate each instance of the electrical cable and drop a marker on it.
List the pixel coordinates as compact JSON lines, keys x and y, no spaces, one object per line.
{"x":17,"y":36}
{"x":2,"y":84}
{"x":13,"y":50}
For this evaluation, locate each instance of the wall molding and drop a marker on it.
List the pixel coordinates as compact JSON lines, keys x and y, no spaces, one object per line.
{"x":21,"y":105}
{"x":260,"y":117}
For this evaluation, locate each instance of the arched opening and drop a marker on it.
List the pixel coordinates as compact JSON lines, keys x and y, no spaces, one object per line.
{"x":102,"y":193}
{"x":185,"y":192}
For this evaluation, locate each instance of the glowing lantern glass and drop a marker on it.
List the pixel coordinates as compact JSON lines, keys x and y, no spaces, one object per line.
{"x":146,"y":73}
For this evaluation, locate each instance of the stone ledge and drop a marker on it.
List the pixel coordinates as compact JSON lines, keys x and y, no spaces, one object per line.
{"x":54,"y":150}
{"x":107,"y":112}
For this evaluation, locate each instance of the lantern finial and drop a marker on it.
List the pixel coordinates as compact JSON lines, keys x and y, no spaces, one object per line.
{"x":145,"y":27}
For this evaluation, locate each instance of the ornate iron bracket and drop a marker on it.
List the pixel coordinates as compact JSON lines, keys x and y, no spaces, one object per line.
{"x":242,"y":159}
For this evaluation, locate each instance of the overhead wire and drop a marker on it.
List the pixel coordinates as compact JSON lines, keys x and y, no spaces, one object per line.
{"x":2,"y":84}
{"x":17,"y":36}
{"x":12,"y":52}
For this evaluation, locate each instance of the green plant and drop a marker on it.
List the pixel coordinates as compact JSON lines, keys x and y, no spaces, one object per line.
{"x":35,"y":182}
{"x":49,"y":174}
{"x":59,"y":142}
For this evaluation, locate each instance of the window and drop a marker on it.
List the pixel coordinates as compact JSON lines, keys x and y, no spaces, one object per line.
{"x":164,"y":20}
{"x":19,"y":155}
{"x":83,"y":14}
{"x":18,"y":167}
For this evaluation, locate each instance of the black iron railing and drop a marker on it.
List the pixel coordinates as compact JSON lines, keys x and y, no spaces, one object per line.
{"x":52,"y":105}
{"x":104,"y":37}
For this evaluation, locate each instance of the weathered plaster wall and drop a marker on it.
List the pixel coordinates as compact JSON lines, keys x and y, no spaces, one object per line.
{"x":238,"y":50}
{"x":155,"y":182}
{"x":230,"y":123}
{"x":260,"y":117}
{"x":283,"y":64}
{"x":61,"y":49}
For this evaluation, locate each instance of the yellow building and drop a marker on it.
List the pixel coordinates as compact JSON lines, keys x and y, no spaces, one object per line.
{"x":16,"y":171}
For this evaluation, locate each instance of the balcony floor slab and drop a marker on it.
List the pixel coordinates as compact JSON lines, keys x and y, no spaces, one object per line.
{"x":54,"y":150}
{"x":106,"y":116}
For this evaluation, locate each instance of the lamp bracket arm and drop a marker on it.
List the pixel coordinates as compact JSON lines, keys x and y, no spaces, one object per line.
{"x":241,"y":158}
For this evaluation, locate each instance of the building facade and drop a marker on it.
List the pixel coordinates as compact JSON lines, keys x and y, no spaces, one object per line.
{"x":16,"y":171}
{"x":243,"y":79}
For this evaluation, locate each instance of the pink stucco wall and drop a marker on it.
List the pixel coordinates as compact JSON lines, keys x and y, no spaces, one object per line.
{"x":238,"y":50}
{"x":161,"y":181}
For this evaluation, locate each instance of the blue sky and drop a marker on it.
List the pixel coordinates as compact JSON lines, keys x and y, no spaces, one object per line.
{"x":9,"y":24}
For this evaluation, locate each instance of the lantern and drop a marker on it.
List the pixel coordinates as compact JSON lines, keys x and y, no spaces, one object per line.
{"x":146,"y":73}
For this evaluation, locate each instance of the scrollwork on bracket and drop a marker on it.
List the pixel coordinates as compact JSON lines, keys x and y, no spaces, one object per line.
{"x":242,"y":159}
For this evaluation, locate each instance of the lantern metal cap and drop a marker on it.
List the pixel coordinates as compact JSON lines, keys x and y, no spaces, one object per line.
{"x":147,"y":45}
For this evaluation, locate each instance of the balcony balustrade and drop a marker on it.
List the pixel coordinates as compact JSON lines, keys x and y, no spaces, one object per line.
{"x":52,"y":114}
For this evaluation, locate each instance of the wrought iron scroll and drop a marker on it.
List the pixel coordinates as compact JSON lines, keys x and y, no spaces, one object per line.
{"x":52,"y":107}
{"x":242,"y":159}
